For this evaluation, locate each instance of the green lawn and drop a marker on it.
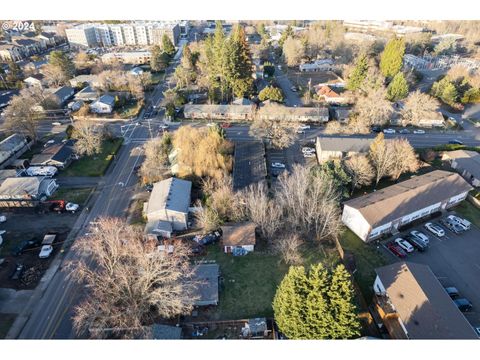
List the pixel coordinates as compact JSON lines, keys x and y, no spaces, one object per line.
{"x":94,"y":165}
{"x":129,"y":110}
{"x":367,"y":258}
{"x":250,"y":282}
{"x":6,"y":321}
{"x":75,"y":195}
{"x":469,"y":210}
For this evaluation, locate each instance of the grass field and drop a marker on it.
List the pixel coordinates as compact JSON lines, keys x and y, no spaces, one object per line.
{"x":129,"y":110}
{"x":367,"y":258}
{"x":94,"y":165}
{"x":469,"y":210}
{"x":75,"y":195}
{"x":250,"y":282}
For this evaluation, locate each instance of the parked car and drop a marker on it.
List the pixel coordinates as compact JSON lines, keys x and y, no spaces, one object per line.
{"x":376,"y":129}
{"x":17,"y":273}
{"x":56,"y":123}
{"x":417,"y":243}
{"x":304,"y":127}
{"x":404,"y":244}
{"x":463,"y":304}
{"x":455,"y":142}
{"x":72,"y":207}
{"x":3,"y":218}
{"x":307,"y":149}
{"x":462,"y":222}
{"x":309,"y":155}
{"x":396,"y":250}
{"x":452,"y":292}
{"x":164,"y":126}
{"x":209,"y":238}
{"x":419,"y":131}
{"x":421,"y":236}
{"x":148,"y":187}
{"x":452,"y":226}
{"x":278,"y":165}
{"x":49,"y":142}
{"x":404,"y":131}
{"x":389,"y":131}
{"x":226,"y":125}
{"x":211,"y":124}
{"x":435,"y":229}
{"x":294,"y":89}
{"x":24,"y":246}
{"x":45,"y":252}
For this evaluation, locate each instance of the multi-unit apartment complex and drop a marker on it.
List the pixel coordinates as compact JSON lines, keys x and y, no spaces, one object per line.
{"x":127,"y":34}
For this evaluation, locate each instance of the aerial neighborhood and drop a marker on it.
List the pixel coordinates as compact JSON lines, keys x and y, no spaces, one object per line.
{"x":270,"y":180}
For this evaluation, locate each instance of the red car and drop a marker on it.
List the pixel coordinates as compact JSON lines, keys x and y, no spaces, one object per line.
{"x":396,"y":250}
{"x":225,"y":125}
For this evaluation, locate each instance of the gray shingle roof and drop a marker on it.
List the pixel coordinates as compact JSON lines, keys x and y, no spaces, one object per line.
{"x":171,"y":194}
{"x":345,"y":143}
{"x":207,"y":289}
{"x":422,"y":303}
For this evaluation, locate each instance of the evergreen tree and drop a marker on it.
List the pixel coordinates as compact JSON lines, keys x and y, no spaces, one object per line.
{"x":450,"y":94}
{"x":285,"y":35}
{"x":359,"y":73}
{"x":159,"y":59}
{"x":61,"y":60}
{"x":398,"y":88}
{"x":167,"y":45}
{"x":14,"y":75}
{"x":271,"y":93}
{"x":316,"y":305}
{"x":335,"y":171}
{"x":391,"y":60}
{"x":239,"y":73}
{"x":187,"y":58}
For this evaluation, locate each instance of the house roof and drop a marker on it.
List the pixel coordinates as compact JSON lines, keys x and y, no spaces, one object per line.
{"x":38,"y":77}
{"x":21,"y":186}
{"x":171,"y":194}
{"x":63,"y":91}
{"x":6,"y":96}
{"x":207,"y":288}
{"x":241,"y":101}
{"x":401,"y":199}
{"x":9,"y":173}
{"x":327,"y":92}
{"x":217,"y":109}
{"x":10,"y":145}
{"x":58,"y":152}
{"x":239,"y":234}
{"x":423,"y":305}
{"x":345,"y":143}
{"x":466,"y":160}
{"x":107,"y":99}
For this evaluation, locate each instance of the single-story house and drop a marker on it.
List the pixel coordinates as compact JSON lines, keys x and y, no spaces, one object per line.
{"x":434,"y":120}
{"x":159,"y":228}
{"x":6,"y":97}
{"x":10,"y":173}
{"x":218,"y":112}
{"x":339,"y":147}
{"x":414,"y":305}
{"x":381,"y":212}
{"x":80,"y":80}
{"x":206,"y":291}
{"x":88,"y":93}
{"x":169,"y":201}
{"x":317,"y":65}
{"x":58,"y":155}
{"x":37,"y":80}
{"x":63,"y":94}
{"x":12,"y":147}
{"x":239,"y":236}
{"x":331,"y":96}
{"x":104,"y":104}
{"x":342,"y":114}
{"x":26,"y":191}
{"x":467,"y":163}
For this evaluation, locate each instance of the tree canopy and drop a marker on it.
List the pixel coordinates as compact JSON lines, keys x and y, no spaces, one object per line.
{"x":391,"y":60}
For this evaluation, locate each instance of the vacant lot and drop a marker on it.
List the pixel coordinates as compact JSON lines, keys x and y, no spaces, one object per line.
{"x":248,"y":283}
{"x":302,"y":79}
{"x":95,"y":165}
{"x":75,"y":195}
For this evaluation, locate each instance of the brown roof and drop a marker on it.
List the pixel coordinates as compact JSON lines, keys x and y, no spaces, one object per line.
{"x":239,"y":234}
{"x":326,"y":91}
{"x":422,"y":303}
{"x":401,"y":199}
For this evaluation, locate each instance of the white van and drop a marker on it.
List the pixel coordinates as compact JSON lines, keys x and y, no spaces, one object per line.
{"x":41,"y":171}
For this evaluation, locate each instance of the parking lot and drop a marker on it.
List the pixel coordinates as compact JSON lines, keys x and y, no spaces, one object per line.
{"x":249,"y":164}
{"x":455,"y":261}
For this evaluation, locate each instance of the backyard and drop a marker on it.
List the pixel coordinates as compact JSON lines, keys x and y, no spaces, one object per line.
{"x":129,"y":110}
{"x":95,"y":165}
{"x":250,"y":282}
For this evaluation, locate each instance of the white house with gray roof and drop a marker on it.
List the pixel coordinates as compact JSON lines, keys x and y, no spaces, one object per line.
{"x":339,"y":147}
{"x":104,"y":104}
{"x":169,"y":203}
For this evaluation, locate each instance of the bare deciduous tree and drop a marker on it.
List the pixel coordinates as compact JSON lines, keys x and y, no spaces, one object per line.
{"x":334,"y":127}
{"x":225,"y":201}
{"x":381,"y":157}
{"x":131,"y":283}
{"x":404,"y":158}
{"x":207,"y":217}
{"x":155,"y":167}
{"x":293,"y":51}
{"x":360,"y":170}
{"x":54,"y":75}
{"x":374,"y":108}
{"x":89,"y":138}
{"x":281,"y":133}
{"x":288,"y":247}
{"x":418,"y":106}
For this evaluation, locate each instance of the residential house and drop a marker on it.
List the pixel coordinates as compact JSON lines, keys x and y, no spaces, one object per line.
{"x":330,"y":96}
{"x":80,"y":80}
{"x":218,"y":112}
{"x":242,"y":101}
{"x":88,"y":93}
{"x":467,"y":163}
{"x":388,"y":209}
{"x":206,"y":291}
{"x":28,"y":44}
{"x":339,"y":147}
{"x":435,"y":119}
{"x":318,"y":65}
{"x":131,"y":57}
{"x":342,"y":114}
{"x":169,"y":201}
{"x":104,"y":104}
{"x":6,"y":97}
{"x":10,"y":173}
{"x":239,"y":236}
{"x":414,"y":305}
{"x":35,"y":80}
{"x":26,"y":191}
{"x":63,"y":94}
{"x":10,"y":52}
{"x":58,"y":155}
{"x":273,"y":111}
{"x":12,"y":147}
{"x":50,"y":38}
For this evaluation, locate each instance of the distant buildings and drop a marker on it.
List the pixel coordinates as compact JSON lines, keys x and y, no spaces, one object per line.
{"x":11,"y":148}
{"x":26,"y":191}
{"x":318,"y":65}
{"x":124,"y":34}
{"x":131,"y":57}
{"x":385,"y":210}
{"x":381,"y":26}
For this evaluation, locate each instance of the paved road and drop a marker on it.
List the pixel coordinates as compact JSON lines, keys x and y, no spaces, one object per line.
{"x":291,"y":98}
